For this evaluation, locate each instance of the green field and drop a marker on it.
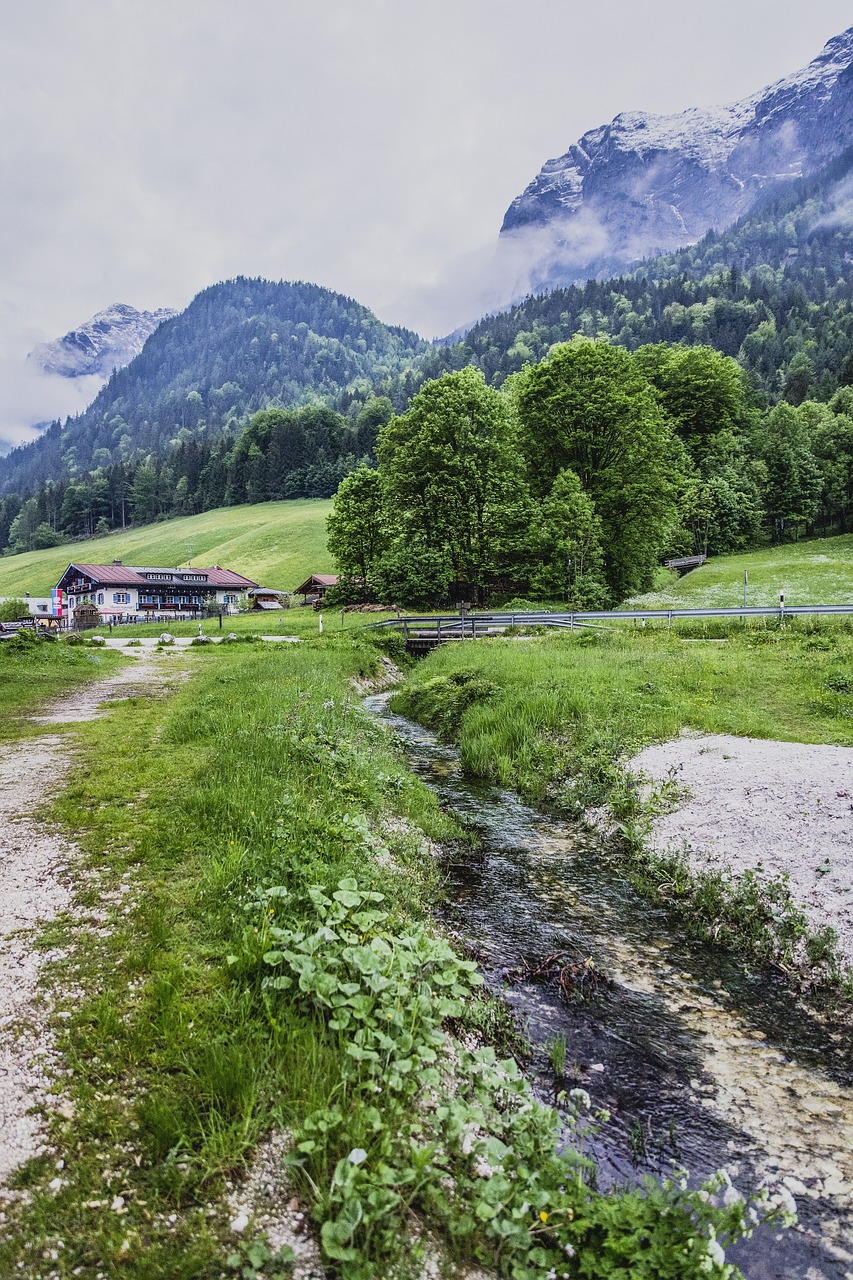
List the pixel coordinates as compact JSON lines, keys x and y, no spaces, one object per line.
{"x":276,"y":543}
{"x":819,"y":571}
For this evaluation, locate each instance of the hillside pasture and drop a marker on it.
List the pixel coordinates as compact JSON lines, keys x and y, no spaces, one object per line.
{"x":818,"y":571}
{"x":275,"y":543}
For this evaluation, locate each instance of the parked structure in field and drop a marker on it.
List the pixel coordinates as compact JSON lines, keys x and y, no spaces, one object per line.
{"x":314,"y":588}
{"x":267,"y":598}
{"x":123,"y":593}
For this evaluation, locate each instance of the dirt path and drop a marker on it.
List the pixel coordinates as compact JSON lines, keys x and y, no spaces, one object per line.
{"x":36,"y":886}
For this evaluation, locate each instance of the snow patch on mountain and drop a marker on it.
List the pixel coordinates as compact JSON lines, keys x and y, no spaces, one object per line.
{"x":108,"y":341}
{"x":648,"y":184}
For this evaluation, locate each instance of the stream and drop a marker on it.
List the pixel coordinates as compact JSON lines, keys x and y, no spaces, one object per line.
{"x":701,"y":1065}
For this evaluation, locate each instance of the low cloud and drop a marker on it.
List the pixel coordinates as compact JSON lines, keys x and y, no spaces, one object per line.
{"x":31,"y":398}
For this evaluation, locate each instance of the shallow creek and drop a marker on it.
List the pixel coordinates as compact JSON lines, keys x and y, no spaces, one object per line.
{"x":700,"y":1065}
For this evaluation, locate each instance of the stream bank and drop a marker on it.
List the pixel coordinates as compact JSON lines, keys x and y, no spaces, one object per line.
{"x":699,"y":1064}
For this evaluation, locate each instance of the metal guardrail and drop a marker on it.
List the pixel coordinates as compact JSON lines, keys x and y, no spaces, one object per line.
{"x":454,"y":625}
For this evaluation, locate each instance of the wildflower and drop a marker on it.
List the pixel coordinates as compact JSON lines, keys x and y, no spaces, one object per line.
{"x":543,"y":1217}
{"x":357,"y":1156}
{"x":716,"y":1253}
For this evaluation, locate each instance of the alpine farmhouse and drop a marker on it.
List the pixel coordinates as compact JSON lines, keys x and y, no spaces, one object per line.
{"x":124,"y":593}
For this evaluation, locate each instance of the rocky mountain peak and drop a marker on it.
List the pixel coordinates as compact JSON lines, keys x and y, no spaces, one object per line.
{"x":648,"y":184}
{"x":108,"y":341}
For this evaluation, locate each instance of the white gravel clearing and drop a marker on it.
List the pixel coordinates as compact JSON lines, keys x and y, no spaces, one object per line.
{"x":36,"y":887}
{"x":778,"y":807}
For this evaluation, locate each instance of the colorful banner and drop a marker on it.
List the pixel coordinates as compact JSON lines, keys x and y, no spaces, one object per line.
{"x":57,"y":596}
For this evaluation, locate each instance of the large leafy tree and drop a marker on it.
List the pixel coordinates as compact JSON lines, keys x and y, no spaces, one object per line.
{"x":356,"y":529}
{"x":590,"y":408}
{"x":794,"y":481}
{"x":701,"y":392}
{"x":571,"y":555}
{"x":455,"y":497}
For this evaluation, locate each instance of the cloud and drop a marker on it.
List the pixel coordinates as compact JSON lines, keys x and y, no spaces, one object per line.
{"x":150,"y":150}
{"x":29,"y":397}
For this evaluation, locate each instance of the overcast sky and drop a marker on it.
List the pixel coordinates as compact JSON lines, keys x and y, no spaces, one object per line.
{"x":149,"y":149}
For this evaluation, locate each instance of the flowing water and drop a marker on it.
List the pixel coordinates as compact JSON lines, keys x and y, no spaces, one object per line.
{"x":701,"y":1065}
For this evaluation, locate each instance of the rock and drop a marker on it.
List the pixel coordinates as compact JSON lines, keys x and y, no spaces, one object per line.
{"x":794,"y":1185}
{"x":165,"y":638}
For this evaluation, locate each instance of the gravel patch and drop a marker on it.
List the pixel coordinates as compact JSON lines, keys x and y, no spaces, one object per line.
{"x":36,"y":887}
{"x":776,"y":807}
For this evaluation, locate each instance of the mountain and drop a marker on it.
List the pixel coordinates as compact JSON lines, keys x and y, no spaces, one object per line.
{"x":648,"y":184}
{"x":240,"y":346}
{"x":108,"y":341}
{"x":774,"y":290}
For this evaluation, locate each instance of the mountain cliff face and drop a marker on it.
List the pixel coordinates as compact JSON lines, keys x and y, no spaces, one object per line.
{"x":108,"y":341}
{"x":648,"y":184}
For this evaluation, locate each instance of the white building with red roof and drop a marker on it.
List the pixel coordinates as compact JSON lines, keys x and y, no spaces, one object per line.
{"x":123,"y":592}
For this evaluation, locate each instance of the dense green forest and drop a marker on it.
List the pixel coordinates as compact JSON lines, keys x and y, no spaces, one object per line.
{"x":209,"y":413}
{"x":775,"y":291}
{"x":240,"y":346}
{"x":576,"y":478}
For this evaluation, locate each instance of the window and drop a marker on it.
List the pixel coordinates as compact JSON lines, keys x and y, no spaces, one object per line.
{"x":100,"y":597}
{"x":121,"y":597}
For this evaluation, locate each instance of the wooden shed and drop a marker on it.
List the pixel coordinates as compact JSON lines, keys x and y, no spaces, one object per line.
{"x":314,"y":588}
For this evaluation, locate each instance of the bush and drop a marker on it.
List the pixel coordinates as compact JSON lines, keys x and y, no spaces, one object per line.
{"x":14,"y":610}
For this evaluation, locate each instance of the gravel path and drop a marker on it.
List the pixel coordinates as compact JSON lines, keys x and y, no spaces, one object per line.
{"x":775,"y":806}
{"x":36,"y":887}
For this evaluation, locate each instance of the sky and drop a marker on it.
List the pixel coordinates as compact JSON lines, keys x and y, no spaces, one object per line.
{"x":148,"y":150}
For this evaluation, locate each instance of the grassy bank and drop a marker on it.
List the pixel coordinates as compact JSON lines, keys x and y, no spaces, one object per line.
{"x":252,"y":950}
{"x":560,"y":716}
{"x":34,"y":673}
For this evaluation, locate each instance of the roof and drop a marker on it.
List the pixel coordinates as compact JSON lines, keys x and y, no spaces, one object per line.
{"x":125,"y":575}
{"x":318,"y":580}
{"x":267,"y":591}
{"x":268,"y":604}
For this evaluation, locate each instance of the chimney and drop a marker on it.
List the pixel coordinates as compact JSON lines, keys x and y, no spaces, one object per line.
{"x":116,"y":562}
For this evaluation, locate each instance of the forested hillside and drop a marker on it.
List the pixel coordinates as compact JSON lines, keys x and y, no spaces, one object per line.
{"x":775,"y":291}
{"x":194,"y":422}
{"x":239,"y":346}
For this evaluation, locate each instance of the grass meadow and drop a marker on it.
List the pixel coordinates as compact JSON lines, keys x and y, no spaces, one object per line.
{"x":277,"y":544}
{"x":819,"y":571}
{"x":559,"y":717}
{"x":542,"y":701}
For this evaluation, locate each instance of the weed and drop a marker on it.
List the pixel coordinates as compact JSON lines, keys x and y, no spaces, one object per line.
{"x":557,"y":1051}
